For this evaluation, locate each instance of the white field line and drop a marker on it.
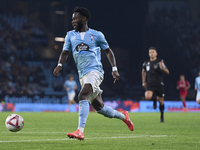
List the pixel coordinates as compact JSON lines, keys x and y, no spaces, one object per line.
{"x":93,"y":138}
{"x":53,"y":132}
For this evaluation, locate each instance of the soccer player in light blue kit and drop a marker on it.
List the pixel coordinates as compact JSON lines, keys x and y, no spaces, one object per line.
{"x":70,"y":86}
{"x":197,"y":88}
{"x":86,"y":44}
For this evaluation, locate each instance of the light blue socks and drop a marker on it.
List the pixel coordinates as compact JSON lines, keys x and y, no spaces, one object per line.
{"x":83,"y":112}
{"x":109,"y":112}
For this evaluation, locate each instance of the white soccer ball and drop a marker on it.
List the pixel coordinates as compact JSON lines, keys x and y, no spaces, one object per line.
{"x":14,"y":122}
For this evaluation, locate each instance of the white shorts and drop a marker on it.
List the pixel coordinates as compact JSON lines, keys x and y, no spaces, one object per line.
{"x":71,"y":96}
{"x":198,"y":97}
{"x":94,"y":78}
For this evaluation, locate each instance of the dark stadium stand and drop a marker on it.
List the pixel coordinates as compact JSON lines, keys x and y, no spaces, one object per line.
{"x":28,"y":56}
{"x":175,"y":32}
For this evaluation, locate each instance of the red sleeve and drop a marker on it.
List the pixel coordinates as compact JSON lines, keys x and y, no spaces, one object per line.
{"x":178,"y":82}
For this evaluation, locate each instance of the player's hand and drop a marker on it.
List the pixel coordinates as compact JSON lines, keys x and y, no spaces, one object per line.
{"x":144,"y":84}
{"x":116,"y":76}
{"x":57,"y":70}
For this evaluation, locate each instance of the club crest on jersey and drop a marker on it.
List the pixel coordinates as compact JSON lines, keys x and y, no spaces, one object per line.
{"x":92,"y":37}
{"x":82,"y":47}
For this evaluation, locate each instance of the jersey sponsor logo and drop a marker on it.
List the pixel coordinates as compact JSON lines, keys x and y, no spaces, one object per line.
{"x":82,"y":47}
{"x":182,"y":85}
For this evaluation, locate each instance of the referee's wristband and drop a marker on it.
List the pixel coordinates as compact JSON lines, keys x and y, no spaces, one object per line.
{"x":163,"y":68}
{"x":114,"y":68}
{"x":59,"y":64}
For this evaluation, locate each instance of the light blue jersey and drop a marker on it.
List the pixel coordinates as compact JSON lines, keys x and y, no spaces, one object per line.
{"x":86,"y":48}
{"x":197,"y":84}
{"x":70,"y":85}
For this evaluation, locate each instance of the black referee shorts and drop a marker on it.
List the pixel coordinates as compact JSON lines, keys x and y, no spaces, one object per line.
{"x":157,"y":88}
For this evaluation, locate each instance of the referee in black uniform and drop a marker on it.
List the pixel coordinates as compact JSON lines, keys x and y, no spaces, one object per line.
{"x":154,"y":69}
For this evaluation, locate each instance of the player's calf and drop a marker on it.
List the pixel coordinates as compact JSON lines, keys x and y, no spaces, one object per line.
{"x":109,"y":112}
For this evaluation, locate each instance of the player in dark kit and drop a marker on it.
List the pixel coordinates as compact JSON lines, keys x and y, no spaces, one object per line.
{"x":154,"y":68}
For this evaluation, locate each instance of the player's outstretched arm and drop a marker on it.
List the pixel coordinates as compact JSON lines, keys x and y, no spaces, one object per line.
{"x":111,"y":57}
{"x":63,"y":57}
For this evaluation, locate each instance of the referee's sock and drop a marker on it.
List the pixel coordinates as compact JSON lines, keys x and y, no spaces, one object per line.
{"x":162,"y":107}
{"x":154,"y":99}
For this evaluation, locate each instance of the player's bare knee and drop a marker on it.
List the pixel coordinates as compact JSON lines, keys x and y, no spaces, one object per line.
{"x":82,"y":96}
{"x":161,"y":102}
{"x":198,"y":102}
{"x":98,"y":103}
{"x":148,"y":97}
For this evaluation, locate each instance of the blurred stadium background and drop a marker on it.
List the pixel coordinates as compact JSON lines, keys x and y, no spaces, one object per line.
{"x":31,"y":34}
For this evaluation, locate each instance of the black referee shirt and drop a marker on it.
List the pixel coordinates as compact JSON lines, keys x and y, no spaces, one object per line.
{"x":154,"y":73}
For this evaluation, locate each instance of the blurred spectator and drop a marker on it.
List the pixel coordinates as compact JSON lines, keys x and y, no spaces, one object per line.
{"x":16,"y":77}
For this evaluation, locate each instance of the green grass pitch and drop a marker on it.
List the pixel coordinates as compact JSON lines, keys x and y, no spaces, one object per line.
{"x":47,"y":131}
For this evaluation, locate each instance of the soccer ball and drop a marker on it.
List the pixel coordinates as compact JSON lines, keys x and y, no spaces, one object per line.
{"x":14,"y":122}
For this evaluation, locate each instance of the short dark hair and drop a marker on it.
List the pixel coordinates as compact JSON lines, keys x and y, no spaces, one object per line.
{"x":82,"y":11}
{"x":153,"y":48}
